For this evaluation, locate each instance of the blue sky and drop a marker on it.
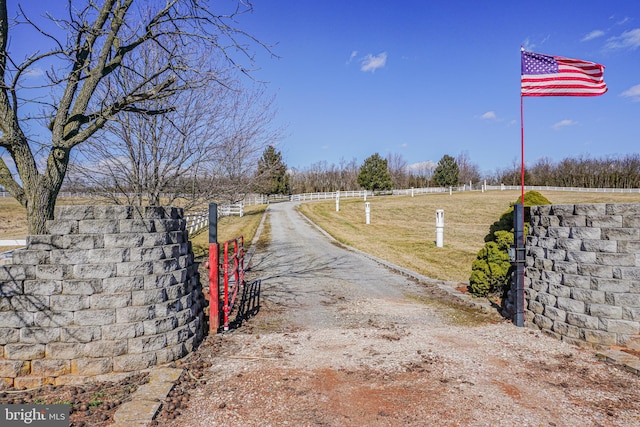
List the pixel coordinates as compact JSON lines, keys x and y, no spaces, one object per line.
{"x":427,"y":78}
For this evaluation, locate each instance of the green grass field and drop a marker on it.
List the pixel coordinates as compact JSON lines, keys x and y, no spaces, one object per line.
{"x":402,"y":228}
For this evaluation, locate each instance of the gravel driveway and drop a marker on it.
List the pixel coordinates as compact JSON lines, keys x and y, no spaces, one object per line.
{"x":341,"y":340}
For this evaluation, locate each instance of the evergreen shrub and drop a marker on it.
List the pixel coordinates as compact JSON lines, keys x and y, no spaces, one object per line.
{"x":491,"y":270}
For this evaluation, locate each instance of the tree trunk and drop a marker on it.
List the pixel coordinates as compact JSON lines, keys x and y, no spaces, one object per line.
{"x":41,"y":191}
{"x":39,"y":211}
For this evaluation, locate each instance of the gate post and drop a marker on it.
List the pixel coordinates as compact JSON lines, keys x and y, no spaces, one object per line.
{"x":519,"y":261}
{"x":214,"y":270}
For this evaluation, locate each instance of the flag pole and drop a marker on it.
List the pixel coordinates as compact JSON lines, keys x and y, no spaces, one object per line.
{"x":522,"y":146}
{"x":519,"y":235}
{"x":522,"y":139}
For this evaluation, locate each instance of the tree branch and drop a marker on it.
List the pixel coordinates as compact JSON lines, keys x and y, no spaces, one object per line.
{"x":10,"y":184}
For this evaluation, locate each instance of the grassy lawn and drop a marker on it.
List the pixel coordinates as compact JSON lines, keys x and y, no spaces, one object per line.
{"x":229,"y":228}
{"x":13,"y":224}
{"x":402,"y":228}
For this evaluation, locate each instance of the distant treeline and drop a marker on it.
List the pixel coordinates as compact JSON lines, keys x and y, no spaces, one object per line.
{"x":607,"y":172}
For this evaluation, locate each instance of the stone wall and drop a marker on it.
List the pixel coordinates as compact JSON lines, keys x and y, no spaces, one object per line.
{"x":583,"y":273}
{"x":111,"y":289}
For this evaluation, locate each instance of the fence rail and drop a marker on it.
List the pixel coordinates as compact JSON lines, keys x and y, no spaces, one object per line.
{"x":196,"y":221}
{"x":229,"y":267}
{"x":569,"y":189}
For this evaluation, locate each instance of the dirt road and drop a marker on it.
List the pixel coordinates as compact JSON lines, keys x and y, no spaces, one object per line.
{"x":340,"y":340}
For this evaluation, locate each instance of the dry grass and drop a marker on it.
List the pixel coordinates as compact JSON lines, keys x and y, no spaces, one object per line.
{"x":229,"y":228}
{"x":13,"y":223}
{"x":402,"y":228}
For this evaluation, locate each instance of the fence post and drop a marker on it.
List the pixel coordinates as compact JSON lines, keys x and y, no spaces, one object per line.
{"x":214,"y":270}
{"x":439,"y":228}
{"x":367,"y":213}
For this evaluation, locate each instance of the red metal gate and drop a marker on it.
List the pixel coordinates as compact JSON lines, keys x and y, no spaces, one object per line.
{"x":231,"y":269}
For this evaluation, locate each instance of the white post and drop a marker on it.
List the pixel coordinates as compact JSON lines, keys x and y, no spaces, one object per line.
{"x":450,"y":191}
{"x":365,"y":195}
{"x":440,"y":228}
{"x":411,"y":191}
{"x":367,"y":213}
{"x":337,"y":201}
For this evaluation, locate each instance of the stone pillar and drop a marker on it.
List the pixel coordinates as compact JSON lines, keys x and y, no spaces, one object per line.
{"x":110,"y":289}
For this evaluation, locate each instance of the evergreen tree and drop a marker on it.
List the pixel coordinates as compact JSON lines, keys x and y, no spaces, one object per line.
{"x":374,"y":174}
{"x":271,"y":176}
{"x":446,"y":173}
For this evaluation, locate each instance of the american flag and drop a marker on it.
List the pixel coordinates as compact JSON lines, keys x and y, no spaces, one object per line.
{"x":546,"y":75}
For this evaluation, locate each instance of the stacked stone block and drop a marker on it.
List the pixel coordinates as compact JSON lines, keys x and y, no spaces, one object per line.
{"x":583,"y":270}
{"x":111,"y":289}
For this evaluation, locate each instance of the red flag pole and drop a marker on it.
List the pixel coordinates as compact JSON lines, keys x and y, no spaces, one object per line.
{"x":522,"y":146}
{"x":520,"y":244}
{"x":521,"y":132}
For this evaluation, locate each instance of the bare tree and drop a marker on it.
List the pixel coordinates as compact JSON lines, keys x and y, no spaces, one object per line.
{"x":204,"y":149}
{"x":469,"y":172}
{"x":397,"y":166}
{"x":421,"y":173}
{"x":86,"y":49}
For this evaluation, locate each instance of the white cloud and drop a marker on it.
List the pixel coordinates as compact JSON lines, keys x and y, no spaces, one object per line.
{"x":404,"y":145}
{"x":489,"y":115}
{"x":629,"y":39}
{"x":33,"y":72}
{"x":373,"y":62}
{"x":527,"y":45}
{"x":352,"y":56}
{"x":623,"y":20}
{"x":593,"y":35}
{"x":633,"y":93}
{"x":564,"y":123}
{"x":422,"y":166}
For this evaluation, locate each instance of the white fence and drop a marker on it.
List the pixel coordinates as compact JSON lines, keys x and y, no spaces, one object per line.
{"x":196,"y":221}
{"x":571,"y":189}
